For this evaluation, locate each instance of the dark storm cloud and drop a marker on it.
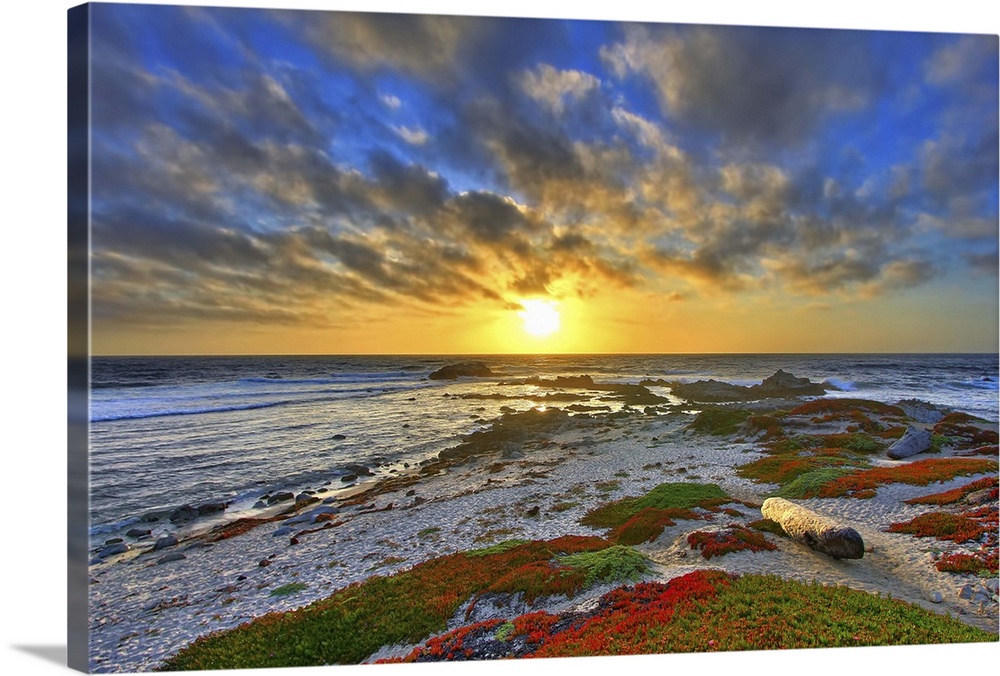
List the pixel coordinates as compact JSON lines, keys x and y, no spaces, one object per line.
{"x":750,"y":84}
{"x":984,"y":263}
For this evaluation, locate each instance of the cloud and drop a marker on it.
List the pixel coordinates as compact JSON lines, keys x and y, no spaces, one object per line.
{"x":748,"y":84}
{"x":414,"y":136}
{"x":553,"y":88}
{"x":965,"y":57}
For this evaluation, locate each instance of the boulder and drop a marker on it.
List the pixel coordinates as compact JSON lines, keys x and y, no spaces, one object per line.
{"x":781,"y":385}
{"x":913,"y":441}
{"x":921,"y":411}
{"x":814,"y":531}
{"x":476,"y":369}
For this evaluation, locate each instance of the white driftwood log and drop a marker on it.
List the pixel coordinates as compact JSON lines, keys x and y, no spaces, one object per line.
{"x":814,"y":531}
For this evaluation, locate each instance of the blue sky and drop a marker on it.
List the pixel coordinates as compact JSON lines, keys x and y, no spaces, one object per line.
{"x":315,"y":180}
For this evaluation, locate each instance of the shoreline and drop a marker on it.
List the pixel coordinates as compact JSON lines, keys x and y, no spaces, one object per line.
{"x":142,"y":612}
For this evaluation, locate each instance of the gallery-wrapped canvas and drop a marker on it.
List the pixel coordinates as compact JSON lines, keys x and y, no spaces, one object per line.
{"x":419,"y":338}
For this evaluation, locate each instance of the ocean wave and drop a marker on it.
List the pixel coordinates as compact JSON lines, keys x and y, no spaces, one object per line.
{"x":333,"y":379}
{"x":843,"y":385}
{"x":186,"y":411}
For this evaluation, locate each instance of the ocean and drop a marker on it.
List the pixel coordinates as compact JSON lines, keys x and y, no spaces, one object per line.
{"x":168,"y":431}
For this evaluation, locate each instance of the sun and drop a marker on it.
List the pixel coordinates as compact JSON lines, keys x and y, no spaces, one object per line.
{"x":541,"y":318}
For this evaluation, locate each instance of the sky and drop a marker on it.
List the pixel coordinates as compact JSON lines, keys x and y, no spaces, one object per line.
{"x":277,"y":181}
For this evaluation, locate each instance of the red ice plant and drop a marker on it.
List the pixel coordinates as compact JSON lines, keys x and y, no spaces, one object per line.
{"x":956,"y":494}
{"x":863,"y":483}
{"x":734,"y":538}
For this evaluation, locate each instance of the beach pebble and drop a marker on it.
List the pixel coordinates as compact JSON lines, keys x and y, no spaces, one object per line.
{"x":936,"y":597}
{"x":411,"y":492}
{"x":138,"y":532}
{"x":264,"y":563}
{"x":966,"y":592}
{"x":172,"y":556}
{"x":165,"y":541}
{"x":111,"y":550}
{"x":338,"y":437}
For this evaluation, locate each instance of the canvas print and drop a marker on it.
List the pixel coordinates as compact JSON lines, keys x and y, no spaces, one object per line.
{"x":410,"y":338}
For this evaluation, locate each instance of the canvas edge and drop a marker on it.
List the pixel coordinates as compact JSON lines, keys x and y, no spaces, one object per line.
{"x":78,"y":331}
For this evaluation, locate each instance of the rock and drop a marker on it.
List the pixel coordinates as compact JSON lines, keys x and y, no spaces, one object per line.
{"x":173,"y":556}
{"x":360,"y":470}
{"x":338,"y":437}
{"x":992,"y":585}
{"x":283,"y":530}
{"x":329,"y":501}
{"x":966,"y":592}
{"x":264,"y":563}
{"x":280,"y":497}
{"x":411,"y":492}
{"x":936,"y":597}
{"x":921,"y":411}
{"x":349,"y":477}
{"x":816,"y":532}
{"x":113,"y":541}
{"x":912,"y":442}
{"x":165,"y":541}
{"x":779,"y":386}
{"x":302,"y":497}
{"x":211,"y":508}
{"x":183,"y":513}
{"x":476,"y":369}
{"x":111,"y":550}
{"x":240,"y":578}
{"x":260,"y":504}
{"x":533,"y":511}
{"x":511,"y":454}
{"x":138,"y":533}
{"x":980,"y":497}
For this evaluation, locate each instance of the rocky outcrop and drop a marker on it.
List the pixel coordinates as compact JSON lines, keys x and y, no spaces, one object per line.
{"x":913,"y":441}
{"x":779,"y":386}
{"x":814,"y":531}
{"x":474,"y":369}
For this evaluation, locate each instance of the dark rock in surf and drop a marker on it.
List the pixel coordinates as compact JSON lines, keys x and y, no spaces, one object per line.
{"x":280,"y":497}
{"x":138,"y":533}
{"x":779,"y":386}
{"x":211,"y":508}
{"x":475,"y":369}
{"x":349,"y":477}
{"x":183,"y":513}
{"x":173,"y":556}
{"x":338,"y":437}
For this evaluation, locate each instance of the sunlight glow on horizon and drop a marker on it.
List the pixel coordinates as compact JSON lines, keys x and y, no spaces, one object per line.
{"x":541,"y":318}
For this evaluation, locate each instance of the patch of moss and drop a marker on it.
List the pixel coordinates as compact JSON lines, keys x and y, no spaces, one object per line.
{"x":664,"y":496}
{"x":614,"y":564}
{"x":719,"y":422}
{"x":808,"y":485}
{"x":287,"y":589}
